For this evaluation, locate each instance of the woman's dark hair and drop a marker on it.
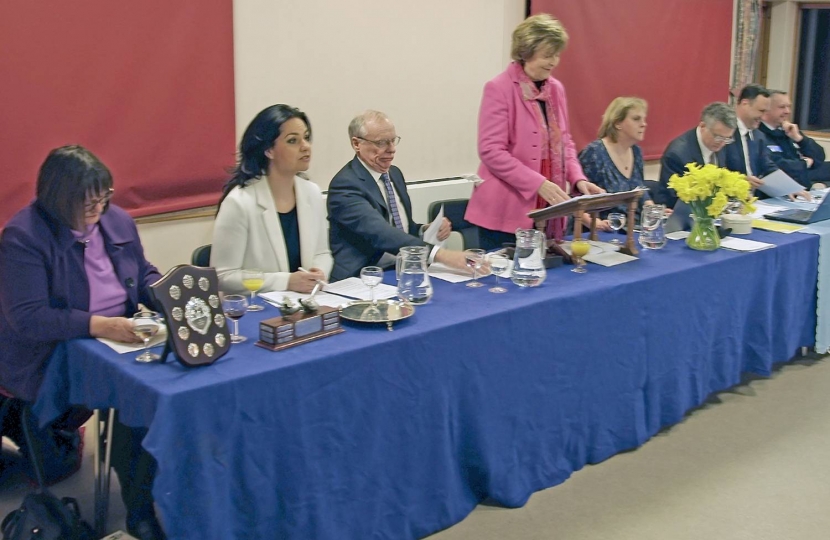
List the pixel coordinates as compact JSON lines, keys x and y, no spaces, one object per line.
{"x":259,"y":136}
{"x":68,"y":175}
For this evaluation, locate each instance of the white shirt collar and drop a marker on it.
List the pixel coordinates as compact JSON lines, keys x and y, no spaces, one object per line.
{"x":742,"y":128}
{"x":770,"y":127}
{"x":705,"y":152}
{"x":376,"y":175}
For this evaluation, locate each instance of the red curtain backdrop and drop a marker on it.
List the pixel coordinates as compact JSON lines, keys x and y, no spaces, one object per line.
{"x":673,"y":53}
{"x":147,"y":86}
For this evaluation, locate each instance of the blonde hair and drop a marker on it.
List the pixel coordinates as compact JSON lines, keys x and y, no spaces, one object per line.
{"x":616,"y":112}
{"x":535,"y":33}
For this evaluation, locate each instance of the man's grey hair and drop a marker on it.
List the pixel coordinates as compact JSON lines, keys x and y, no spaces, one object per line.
{"x":777,"y":93}
{"x":719,"y":112}
{"x":357,"y":127}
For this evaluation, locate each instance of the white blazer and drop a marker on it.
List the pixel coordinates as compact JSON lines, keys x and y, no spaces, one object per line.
{"x":247,"y":234}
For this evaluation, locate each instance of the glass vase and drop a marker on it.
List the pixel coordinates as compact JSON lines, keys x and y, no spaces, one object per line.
{"x":704,"y":235}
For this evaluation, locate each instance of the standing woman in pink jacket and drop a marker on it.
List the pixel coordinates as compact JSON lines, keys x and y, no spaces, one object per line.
{"x":528,"y":159}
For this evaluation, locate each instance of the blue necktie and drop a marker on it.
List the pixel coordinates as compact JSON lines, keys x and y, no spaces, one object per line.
{"x":393,"y":206}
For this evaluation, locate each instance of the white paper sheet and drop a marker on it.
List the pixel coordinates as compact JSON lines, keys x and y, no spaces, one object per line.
{"x":609,"y":258}
{"x":678,"y":235}
{"x":123,"y":348}
{"x":431,"y":234}
{"x":322,"y":298}
{"x":778,"y":184}
{"x":354,"y":288}
{"x":741,"y":244}
{"x":445,"y":273}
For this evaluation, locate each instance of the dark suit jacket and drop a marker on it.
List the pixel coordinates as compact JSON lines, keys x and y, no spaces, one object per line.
{"x":682,"y":150}
{"x":359,"y":228}
{"x":787,"y":155}
{"x":44,"y":292}
{"x":759,"y":156}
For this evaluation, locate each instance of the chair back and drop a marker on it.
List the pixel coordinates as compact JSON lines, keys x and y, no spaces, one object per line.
{"x":454,"y":210}
{"x":201,"y":256}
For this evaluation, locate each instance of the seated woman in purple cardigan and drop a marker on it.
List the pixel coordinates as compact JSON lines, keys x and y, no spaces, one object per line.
{"x":72,"y":266}
{"x":528,"y":159}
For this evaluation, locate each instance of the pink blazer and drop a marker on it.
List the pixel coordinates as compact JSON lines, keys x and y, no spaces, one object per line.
{"x":509,"y":148}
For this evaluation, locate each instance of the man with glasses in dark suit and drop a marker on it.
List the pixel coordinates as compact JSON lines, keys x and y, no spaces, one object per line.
{"x":370,"y":213}
{"x":701,"y":145}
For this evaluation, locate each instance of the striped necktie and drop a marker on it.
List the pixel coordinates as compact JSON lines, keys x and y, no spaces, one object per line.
{"x":393,"y":206}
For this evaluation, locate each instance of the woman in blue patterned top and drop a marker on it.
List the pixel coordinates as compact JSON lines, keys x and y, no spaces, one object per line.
{"x":614,"y":162}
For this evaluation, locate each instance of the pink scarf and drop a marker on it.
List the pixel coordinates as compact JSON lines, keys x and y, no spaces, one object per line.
{"x":553,"y":160}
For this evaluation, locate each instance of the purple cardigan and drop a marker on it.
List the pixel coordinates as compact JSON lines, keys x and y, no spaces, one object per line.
{"x":44,"y":292}
{"x":511,"y":157}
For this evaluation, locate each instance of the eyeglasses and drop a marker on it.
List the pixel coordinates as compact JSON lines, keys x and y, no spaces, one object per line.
{"x":723,"y":140}
{"x":91,"y":205}
{"x":384,"y":143}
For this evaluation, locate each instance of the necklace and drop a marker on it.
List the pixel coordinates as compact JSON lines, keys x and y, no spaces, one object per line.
{"x":623,"y":160}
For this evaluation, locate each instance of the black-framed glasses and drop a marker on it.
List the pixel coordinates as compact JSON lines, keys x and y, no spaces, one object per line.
{"x":92,"y":204}
{"x":383,"y":143}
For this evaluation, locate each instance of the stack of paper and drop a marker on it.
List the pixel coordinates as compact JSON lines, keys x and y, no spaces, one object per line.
{"x":609,"y":258}
{"x":354,"y":288}
{"x":740,"y":244}
{"x":776,"y":226}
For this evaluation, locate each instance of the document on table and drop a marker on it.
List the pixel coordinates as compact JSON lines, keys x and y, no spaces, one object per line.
{"x":778,"y":183}
{"x":124,"y":348}
{"x":740,"y":244}
{"x":776,"y":226}
{"x":354,"y":288}
{"x":431,"y":234}
{"x":324,"y":299}
{"x":609,"y":258}
{"x":445,"y":273}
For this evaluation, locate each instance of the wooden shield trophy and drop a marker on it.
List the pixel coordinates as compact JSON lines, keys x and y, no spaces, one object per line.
{"x":197,"y":331}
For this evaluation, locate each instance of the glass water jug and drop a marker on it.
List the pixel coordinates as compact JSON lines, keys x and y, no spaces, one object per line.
{"x":529,"y":259}
{"x":652,"y":219}
{"x":413,"y":280}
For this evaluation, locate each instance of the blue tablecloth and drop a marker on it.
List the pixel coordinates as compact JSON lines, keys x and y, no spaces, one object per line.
{"x":377,"y":434}
{"x":822,"y":229}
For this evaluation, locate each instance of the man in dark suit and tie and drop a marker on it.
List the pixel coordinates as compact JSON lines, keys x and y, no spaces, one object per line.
{"x":749,"y":154}
{"x":796,"y":154}
{"x":370,"y":213}
{"x":700,"y":145}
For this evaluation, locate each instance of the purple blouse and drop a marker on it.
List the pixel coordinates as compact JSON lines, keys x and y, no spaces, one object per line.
{"x":107,"y":295}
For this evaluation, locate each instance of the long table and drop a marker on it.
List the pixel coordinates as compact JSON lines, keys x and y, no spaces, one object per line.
{"x":377,"y":434}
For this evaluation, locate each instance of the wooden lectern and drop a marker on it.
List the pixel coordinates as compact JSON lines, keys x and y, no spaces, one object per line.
{"x":593,"y":204}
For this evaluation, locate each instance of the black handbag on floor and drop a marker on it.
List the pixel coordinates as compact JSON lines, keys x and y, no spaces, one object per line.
{"x":43,"y":516}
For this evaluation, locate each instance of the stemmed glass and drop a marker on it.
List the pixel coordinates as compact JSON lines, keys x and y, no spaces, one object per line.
{"x":498,"y":265}
{"x":145,"y":325}
{"x":579,"y":248}
{"x":617,"y":222}
{"x":253,"y":280}
{"x":474,"y":258}
{"x":235,"y":306}
{"x":371,"y":276}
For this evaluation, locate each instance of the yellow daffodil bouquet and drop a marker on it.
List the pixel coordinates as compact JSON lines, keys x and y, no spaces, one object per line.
{"x":709,"y":188}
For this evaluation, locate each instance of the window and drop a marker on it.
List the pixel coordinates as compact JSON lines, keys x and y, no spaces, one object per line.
{"x":812,"y":101}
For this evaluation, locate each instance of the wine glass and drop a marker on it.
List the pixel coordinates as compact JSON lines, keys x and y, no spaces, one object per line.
{"x":579,"y":248}
{"x":498,"y":265}
{"x":617,"y":222}
{"x":235,"y":306}
{"x":145,"y":325}
{"x":474,"y":258}
{"x":253,"y":280}
{"x":371,"y":276}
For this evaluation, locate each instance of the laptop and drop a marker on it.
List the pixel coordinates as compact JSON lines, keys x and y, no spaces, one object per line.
{"x":804,"y":217}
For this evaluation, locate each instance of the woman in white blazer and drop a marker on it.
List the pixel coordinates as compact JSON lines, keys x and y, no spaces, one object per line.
{"x":269,"y":217}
